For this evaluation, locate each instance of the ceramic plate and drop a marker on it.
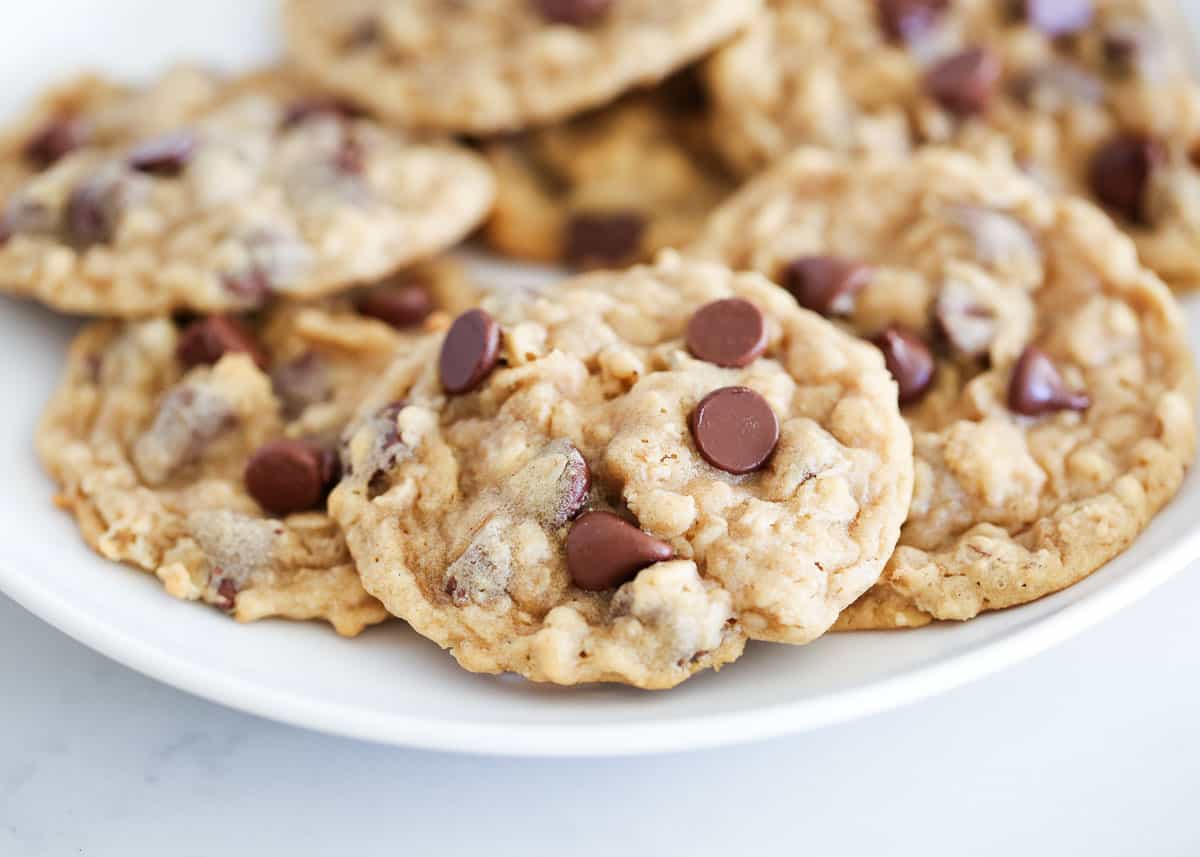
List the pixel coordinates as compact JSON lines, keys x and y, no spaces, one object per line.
{"x":390,"y":685}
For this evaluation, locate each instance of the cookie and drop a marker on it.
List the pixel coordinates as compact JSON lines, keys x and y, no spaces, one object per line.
{"x":266,"y":190}
{"x":504,"y":65}
{"x":1044,"y":372}
{"x":610,"y":188}
{"x":625,"y":478}
{"x":1090,"y":96}
{"x":202,"y":451}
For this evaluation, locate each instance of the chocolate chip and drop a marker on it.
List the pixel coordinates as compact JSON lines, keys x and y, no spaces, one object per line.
{"x":304,"y":109}
{"x":606,"y":239}
{"x":1055,"y":18}
{"x":571,"y":490}
{"x":964,"y":83}
{"x":206,"y":341}
{"x":469,"y":352}
{"x":577,"y":13}
{"x":730,"y":332}
{"x":1119,"y":174}
{"x":57,"y":138}
{"x":604,"y":551}
{"x":735,"y":429}
{"x":287,"y":476}
{"x":1036,"y":387}
{"x":825,"y":284}
{"x":227,"y":590}
{"x":907,"y":20}
{"x":92,"y":213}
{"x":164,"y":156}
{"x":400,"y":304}
{"x":909,"y":360}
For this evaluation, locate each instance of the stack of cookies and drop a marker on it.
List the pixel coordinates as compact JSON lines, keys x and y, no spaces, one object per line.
{"x":871,"y":328}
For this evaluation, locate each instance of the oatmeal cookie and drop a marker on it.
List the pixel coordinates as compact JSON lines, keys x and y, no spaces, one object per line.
{"x":1044,"y":371}
{"x":1090,"y":96}
{"x":202,"y":451}
{"x":623,"y":479}
{"x":610,"y":188}
{"x":501,"y":65}
{"x":265,"y":190}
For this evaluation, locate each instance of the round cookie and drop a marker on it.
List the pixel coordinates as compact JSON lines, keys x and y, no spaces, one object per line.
{"x":627,"y":481}
{"x":1049,"y":384}
{"x":504,"y":65}
{"x":1091,"y":96}
{"x":201,"y":451}
{"x":610,"y":188}
{"x":267,"y":190}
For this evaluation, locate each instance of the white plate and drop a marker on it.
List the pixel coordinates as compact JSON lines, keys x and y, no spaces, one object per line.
{"x":390,"y":685}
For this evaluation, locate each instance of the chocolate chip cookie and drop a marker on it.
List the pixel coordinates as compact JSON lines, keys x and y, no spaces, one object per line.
{"x":625,"y":478}
{"x":610,"y":188}
{"x":1043,"y":370}
{"x":203,"y":450}
{"x":484,"y":67}
{"x":266,"y":190}
{"x":1090,"y":96}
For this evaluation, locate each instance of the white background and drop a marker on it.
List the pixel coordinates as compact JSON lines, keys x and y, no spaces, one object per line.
{"x":1092,"y":748}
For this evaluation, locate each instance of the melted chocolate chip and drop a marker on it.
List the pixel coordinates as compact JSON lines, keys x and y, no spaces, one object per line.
{"x":164,"y":156}
{"x":1037,"y":388}
{"x":964,"y":83}
{"x":93,"y":209}
{"x":571,"y":490}
{"x":604,"y":551}
{"x":735,"y":429}
{"x":288,"y":476}
{"x":607,"y":239}
{"x":730,"y":333}
{"x":907,"y":20}
{"x":57,"y":138}
{"x":1055,"y":18}
{"x":1119,"y":174}
{"x":470,"y":351}
{"x":825,"y":284}
{"x":227,"y":590}
{"x":205,"y":342}
{"x":909,"y":360}
{"x":577,"y":13}
{"x":398,"y":304}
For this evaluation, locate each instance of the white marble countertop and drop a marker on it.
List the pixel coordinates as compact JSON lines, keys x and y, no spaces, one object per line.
{"x":1091,"y":748}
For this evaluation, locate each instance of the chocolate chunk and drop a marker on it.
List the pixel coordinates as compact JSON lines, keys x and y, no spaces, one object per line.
{"x":1119,"y":174}
{"x":604,"y":551}
{"x":606,"y":239}
{"x":93,"y":210}
{"x":56,"y":139}
{"x":206,"y":341}
{"x":964,"y":83}
{"x":469,"y":352}
{"x":305,"y":109}
{"x":577,"y":13}
{"x":287,"y":476}
{"x":735,"y":429}
{"x":909,"y":360}
{"x":1055,"y":18}
{"x":398,"y":304}
{"x":301,"y":383}
{"x":1036,"y":387}
{"x":227,"y":589}
{"x":730,"y":332}
{"x":825,"y":284}
{"x":573,"y":485}
{"x":164,"y":156}
{"x":908,"y":20}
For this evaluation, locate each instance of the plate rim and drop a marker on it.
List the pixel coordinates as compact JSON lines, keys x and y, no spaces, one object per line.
{"x":648,"y":737}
